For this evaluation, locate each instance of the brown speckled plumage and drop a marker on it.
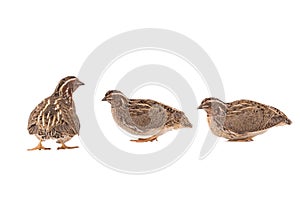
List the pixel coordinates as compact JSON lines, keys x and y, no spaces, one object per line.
{"x":144,"y":117}
{"x":241,"y":120}
{"x":55,"y":117}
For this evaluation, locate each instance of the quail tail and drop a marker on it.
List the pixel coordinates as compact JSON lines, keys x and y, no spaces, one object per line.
{"x":185,"y":122}
{"x":288,"y":121}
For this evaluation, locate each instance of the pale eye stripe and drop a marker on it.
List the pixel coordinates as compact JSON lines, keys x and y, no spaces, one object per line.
{"x":64,"y":84}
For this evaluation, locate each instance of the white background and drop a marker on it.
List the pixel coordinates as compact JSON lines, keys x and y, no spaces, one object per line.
{"x":255,"y":46}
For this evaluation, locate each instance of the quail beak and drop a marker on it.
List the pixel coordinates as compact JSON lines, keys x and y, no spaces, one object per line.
{"x":200,"y":107}
{"x":79,"y":83}
{"x":104,"y":99}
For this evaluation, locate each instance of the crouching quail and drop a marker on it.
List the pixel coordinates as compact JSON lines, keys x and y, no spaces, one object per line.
{"x":241,"y":120}
{"x":55,"y":117}
{"x":144,"y":117}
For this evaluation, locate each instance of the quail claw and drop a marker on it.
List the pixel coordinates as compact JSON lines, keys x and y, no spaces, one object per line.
{"x":39,"y":147}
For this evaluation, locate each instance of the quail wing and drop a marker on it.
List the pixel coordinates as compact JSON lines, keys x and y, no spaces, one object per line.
{"x":49,"y":116}
{"x":147,"y":114}
{"x":248,"y":116}
{"x":69,"y":121}
{"x":33,"y":118}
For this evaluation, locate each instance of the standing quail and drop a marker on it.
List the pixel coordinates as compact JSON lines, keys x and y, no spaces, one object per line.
{"x":55,"y":117}
{"x":241,"y":120}
{"x":144,"y":117}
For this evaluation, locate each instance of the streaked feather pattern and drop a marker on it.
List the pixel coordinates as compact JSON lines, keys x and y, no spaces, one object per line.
{"x":241,"y":119}
{"x":55,"y":117}
{"x":144,"y":117}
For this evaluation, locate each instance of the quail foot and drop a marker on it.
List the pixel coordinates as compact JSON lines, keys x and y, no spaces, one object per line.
{"x":144,"y":117}
{"x":55,"y":117}
{"x":241,"y":120}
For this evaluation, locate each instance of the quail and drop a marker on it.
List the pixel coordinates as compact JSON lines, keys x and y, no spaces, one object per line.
{"x":144,"y":117}
{"x":241,"y":120}
{"x":55,"y":117}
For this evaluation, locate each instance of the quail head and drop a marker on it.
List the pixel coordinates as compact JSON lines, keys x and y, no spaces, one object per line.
{"x":241,"y":120}
{"x":55,"y":117}
{"x":144,"y":117}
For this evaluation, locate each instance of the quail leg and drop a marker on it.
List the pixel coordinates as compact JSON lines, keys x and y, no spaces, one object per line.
{"x":241,"y":140}
{"x":39,"y":147}
{"x":63,"y":146}
{"x":149,"y":139}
